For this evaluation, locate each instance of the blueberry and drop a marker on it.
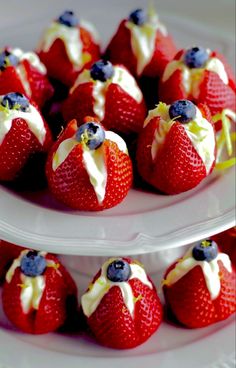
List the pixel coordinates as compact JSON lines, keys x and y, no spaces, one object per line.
{"x":196,"y":57}
{"x":207,"y":250}
{"x":7,"y":59}
{"x":92,"y":134}
{"x":68,"y":19}
{"x":138,"y":17}
{"x":183,"y":110}
{"x":15,"y":101}
{"x":33,"y":264}
{"x":118,"y":271}
{"x":102,"y":70}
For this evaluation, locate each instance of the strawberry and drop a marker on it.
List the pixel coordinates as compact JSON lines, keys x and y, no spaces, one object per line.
{"x":24,"y":73}
{"x":227,"y":241}
{"x":122,"y":108}
{"x":202,"y":76}
{"x":64,"y":65}
{"x":8,"y":252}
{"x":121,"y":305}
{"x":142,"y":31}
{"x":25,"y":134}
{"x":200,"y":288}
{"x":89,"y":169}
{"x":168,"y":157}
{"x":43,"y":308}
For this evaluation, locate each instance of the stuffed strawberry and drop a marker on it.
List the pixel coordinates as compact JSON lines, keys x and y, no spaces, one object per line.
{"x":202,"y":76}
{"x":142,"y":44}
{"x":111,"y":94}
{"x":89,"y":168}
{"x":200,"y":288}
{"x":23,"y":72}
{"x":67,"y":47}
{"x":176,"y":148}
{"x":23,"y":133}
{"x":121,"y":306}
{"x":8,"y":252}
{"x":35,"y":292}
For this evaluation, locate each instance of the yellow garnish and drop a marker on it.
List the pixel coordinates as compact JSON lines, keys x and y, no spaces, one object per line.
{"x":23,"y":286}
{"x":226,"y":164}
{"x":205,"y":243}
{"x":139,"y":297}
{"x":225,"y":138}
{"x":86,"y":58}
{"x":53,"y":265}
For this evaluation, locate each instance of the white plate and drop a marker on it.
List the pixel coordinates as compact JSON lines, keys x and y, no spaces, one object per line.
{"x":169,"y":347}
{"x":144,"y":222}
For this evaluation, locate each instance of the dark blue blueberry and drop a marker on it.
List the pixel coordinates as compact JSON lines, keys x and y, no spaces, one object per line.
{"x":118,"y":271}
{"x":102,"y":70}
{"x":7,"y":59}
{"x":33,"y":264}
{"x":138,"y":17}
{"x":182,"y":110}
{"x":15,"y":101}
{"x":92,"y":134}
{"x":68,"y":19}
{"x":196,"y":57}
{"x":207,"y":250}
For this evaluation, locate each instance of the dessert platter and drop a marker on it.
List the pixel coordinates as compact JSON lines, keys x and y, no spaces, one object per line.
{"x":117,"y":172}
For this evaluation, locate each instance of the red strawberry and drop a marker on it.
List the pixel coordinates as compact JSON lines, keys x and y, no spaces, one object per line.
{"x":41,"y":89}
{"x":194,"y":302}
{"x":120,"y":49}
{"x":20,"y":142}
{"x":227,"y":243}
{"x":127,"y":308}
{"x":172,"y":89}
{"x":56,"y":59}
{"x":211,"y":89}
{"x":123,"y":110}
{"x":46,"y":314}
{"x":171,"y":163}
{"x":215,"y":94}
{"x":25,"y":77}
{"x":8,"y":252}
{"x":71,"y":182}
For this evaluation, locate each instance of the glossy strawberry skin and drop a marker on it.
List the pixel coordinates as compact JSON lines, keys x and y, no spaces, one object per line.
{"x":40,"y":87}
{"x":70,"y":182}
{"x":227,"y":243}
{"x":8,"y":252}
{"x":119,"y":51}
{"x":190,"y":302}
{"x":177,"y":166}
{"x":58,"y":64}
{"x":17,"y":147}
{"x":112,"y":324}
{"x":122,"y":112}
{"x":51,"y":313}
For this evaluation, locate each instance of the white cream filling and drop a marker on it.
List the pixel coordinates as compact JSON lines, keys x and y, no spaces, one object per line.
{"x":91,"y":29}
{"x":143,"y":39}
{"x":32,"y":118}
{"x":71,"y":39}
{"x":92,"y":298}
{"x":121,"y":77}
{"x":32,"y":288}
{"x":210,"y":271}
{"x":192,"y":77}
{"x":20,"y":69}
{"x":199,"y":131}
{"x":31,"y":57}
{"x":94,"y":161}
